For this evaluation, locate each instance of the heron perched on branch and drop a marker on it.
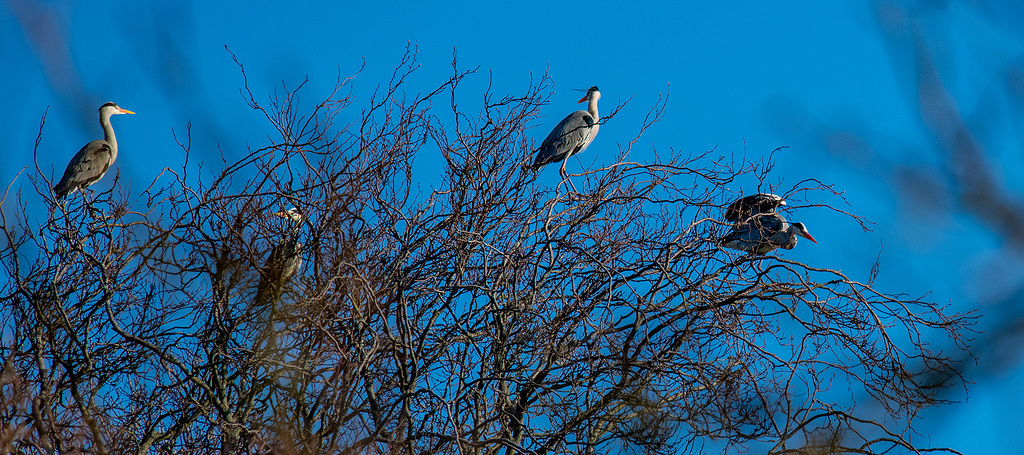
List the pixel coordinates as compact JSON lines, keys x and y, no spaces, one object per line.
{"x":571,"y":136}
{"x":284,"y":261}
{"x":94,"y":159}
{"x":764,"y":232}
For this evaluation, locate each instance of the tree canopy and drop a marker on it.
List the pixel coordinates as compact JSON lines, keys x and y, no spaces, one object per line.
{"x":484,"y":313}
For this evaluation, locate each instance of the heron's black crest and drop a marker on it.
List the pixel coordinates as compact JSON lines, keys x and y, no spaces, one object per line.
{"x":592,"y":89}
{"x":111,"y":104}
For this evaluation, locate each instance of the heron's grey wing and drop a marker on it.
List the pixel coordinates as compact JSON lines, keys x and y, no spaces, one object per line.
{"x":284,"y":261}
{"x":773,"y":231}
{"x":768,"y":224}
{"x":85,"y":168}
{"x":744,"y":237}
{"x":568,"y":137}
{"x":757,"y":234}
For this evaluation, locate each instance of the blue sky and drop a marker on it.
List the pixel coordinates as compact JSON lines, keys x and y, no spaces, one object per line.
{"x":744,"y":77}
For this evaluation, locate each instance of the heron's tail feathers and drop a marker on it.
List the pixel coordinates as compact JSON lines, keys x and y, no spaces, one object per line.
{"x":62,"y":190}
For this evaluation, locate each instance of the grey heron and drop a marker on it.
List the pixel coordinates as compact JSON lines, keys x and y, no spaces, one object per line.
{"x":748,"y":206}
{"x":284,"y":260}
{"x":762,"y":233}
{"x":571,"y":136}
{"x":94,"y":159}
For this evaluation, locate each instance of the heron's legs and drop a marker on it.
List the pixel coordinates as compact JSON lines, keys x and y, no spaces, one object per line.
{"x":565,"y":176}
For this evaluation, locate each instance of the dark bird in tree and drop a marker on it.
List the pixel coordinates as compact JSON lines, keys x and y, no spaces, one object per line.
{"x":284,"y":261}
{"x":94,"y":160}
{"x":765,"y":232}
{"x":748,"y":206}
{"x":571,"y":136}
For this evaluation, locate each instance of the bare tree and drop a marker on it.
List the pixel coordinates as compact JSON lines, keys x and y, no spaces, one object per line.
{"x":488,"y":314}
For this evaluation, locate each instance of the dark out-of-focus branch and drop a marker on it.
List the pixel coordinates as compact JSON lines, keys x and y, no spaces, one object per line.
{"x":44,"y":28}
{"x":973,"y":186}
{"x":955,"y":172}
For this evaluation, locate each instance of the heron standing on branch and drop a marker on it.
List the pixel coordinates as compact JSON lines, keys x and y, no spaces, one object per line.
{"x":571,"y":136}
{"x":94,"y":160}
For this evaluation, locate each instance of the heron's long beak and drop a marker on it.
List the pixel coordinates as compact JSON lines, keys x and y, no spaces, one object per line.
{"x":808,"y":235}
{"x":583,"y":99}
{"x":125,"y":111}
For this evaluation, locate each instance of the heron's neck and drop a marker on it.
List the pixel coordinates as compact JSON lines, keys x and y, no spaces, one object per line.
{"x":791,"y":236}
{"x":592,"y":109}
{"x":108,"y":135}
